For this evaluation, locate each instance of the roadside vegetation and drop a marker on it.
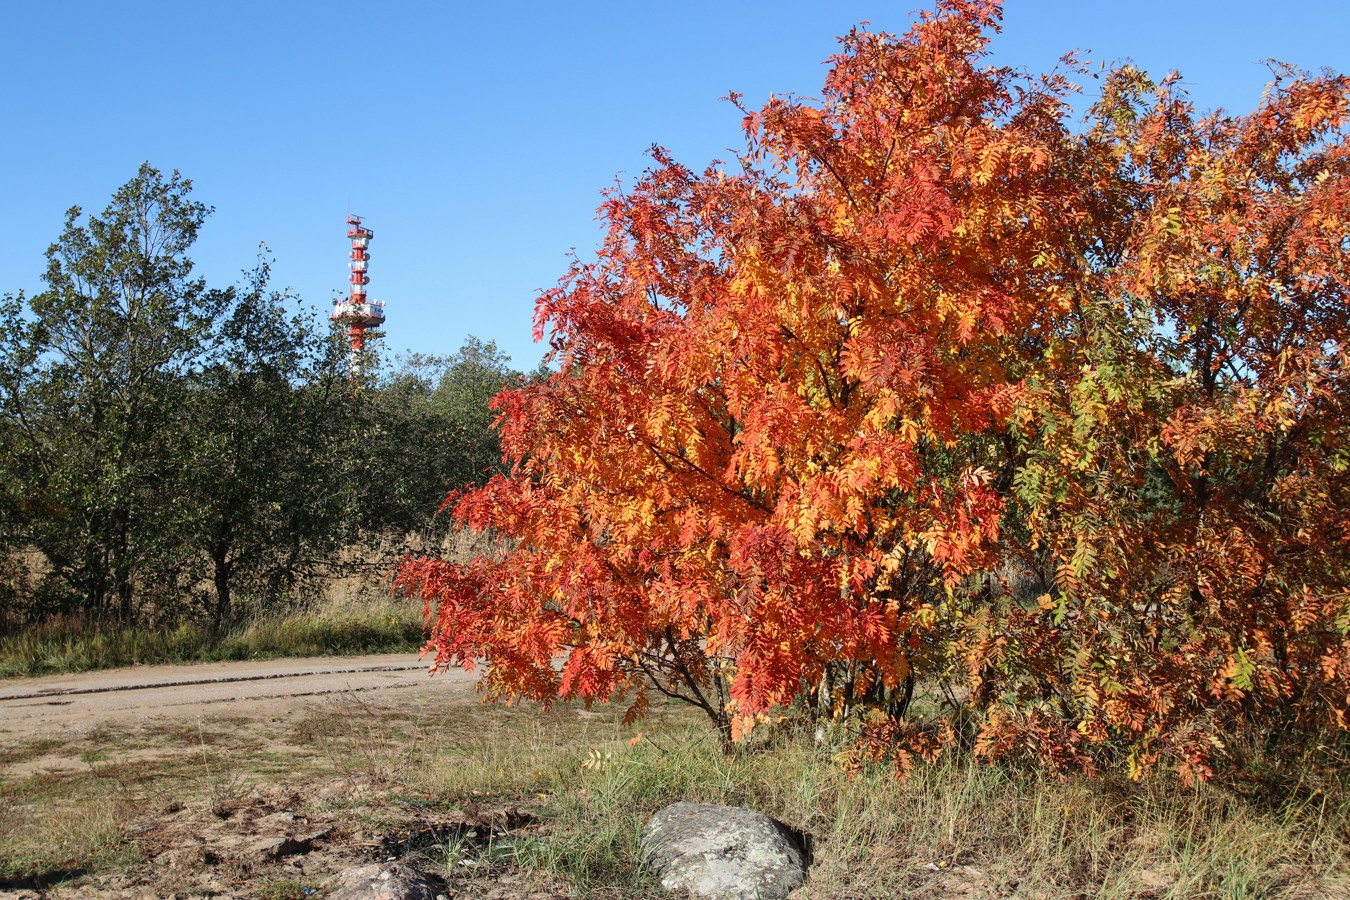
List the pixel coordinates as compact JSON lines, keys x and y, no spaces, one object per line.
{"x":945,"y":381}
{"x":70,"y":644}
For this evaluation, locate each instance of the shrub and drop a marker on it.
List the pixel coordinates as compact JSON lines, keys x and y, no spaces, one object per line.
{"x":936,"y":389}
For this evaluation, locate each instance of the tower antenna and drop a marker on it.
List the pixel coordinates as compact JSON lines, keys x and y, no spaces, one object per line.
{"x":358,"y":314}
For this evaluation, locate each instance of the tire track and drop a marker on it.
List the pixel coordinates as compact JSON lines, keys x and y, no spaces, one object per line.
{"x":155,"y":685}
{"x":256,"y":690}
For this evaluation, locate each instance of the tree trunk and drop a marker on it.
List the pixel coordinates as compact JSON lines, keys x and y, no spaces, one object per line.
{"x":122,"y":566}
{"x":220,"y":560}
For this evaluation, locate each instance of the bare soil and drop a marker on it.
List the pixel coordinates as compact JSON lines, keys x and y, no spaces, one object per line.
{"x":229,"y":779}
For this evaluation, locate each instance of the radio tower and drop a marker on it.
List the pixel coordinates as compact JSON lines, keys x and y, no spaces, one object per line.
{"x":359,"y":315}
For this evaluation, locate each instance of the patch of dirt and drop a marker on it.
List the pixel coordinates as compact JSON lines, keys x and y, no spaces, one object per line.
{"x":246,"y":844}
{"x":238,"y":780}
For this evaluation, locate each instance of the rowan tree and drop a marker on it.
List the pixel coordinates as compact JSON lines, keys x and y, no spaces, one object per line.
{"x":931,"y":387}
{"x":1190,"y":478}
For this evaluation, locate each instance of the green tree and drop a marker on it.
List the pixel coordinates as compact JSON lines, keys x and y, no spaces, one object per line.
{"x":428,"y":420}
{"x":169,"y":441}
{"x":89,"y":366}
{"x":469,"y":380}
{"x":260,"y":492}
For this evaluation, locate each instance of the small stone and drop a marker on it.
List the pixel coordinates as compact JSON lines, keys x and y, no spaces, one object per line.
{"x":191,"y":858}
{"x":315,"y":836}
{"x":277,"y":848}
{"x":276,"y":819}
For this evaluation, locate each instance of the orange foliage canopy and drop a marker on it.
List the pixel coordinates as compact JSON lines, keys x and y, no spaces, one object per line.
{"x":932,"y":388}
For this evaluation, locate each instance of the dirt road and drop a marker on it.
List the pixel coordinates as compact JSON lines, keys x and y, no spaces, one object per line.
{"x":62,"y":706}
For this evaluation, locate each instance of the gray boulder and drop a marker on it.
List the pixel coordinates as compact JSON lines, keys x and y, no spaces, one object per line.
{"x":390,"y":881}
{"x":723,"y":852}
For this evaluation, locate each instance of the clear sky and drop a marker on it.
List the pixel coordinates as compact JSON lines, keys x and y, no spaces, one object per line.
{"x":475,"y":138}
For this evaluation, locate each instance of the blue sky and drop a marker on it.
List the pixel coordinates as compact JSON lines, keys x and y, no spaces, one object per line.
{"x":475,"y":138}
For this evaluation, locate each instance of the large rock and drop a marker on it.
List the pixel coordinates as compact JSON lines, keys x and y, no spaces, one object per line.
{"x":390,"y":881}
{"x":723,"y":852}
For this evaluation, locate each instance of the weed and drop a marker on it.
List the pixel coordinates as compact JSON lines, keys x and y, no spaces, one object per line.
{"x":53,"y":829}
{"x":960,"y":826}
{"x":227,"y":788}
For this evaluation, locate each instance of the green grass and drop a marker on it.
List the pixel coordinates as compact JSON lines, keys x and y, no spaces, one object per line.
{"x":49,"y":825}
{"x":73,"y":646}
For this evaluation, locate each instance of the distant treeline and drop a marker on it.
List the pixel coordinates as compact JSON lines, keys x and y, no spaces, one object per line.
{"x":174,"y":449}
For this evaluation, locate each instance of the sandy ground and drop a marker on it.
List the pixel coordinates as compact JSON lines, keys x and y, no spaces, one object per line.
{"x":62,"y":706}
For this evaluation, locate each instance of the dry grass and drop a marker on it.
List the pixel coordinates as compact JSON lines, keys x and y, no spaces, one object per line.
{"x":354,"y":614}
{"x":51,"y":828}
{"x":958,"y":829}
{"x":72,"y":645}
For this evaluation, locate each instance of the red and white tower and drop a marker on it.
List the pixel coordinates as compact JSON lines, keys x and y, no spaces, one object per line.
{"x":359,"y":315}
